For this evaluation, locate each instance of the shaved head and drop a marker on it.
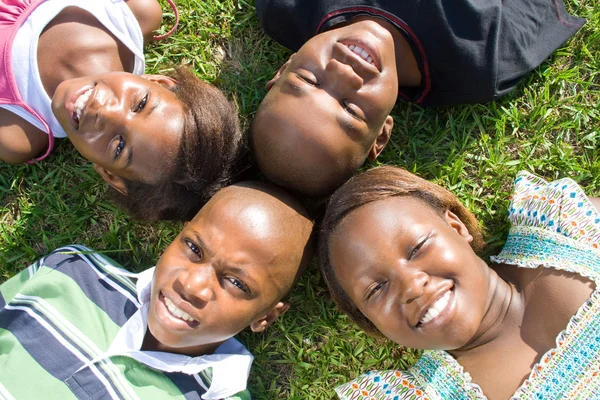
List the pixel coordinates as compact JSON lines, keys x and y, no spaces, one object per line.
{"x":272,"y":216}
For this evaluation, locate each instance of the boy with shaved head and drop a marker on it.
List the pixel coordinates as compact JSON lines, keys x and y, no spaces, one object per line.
{"x":327,"y":108}
{"x":79,"y":327}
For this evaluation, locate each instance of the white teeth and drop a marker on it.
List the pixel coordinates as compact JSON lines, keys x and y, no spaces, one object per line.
{"x":176,"y":312}
{"x":362,"y":53}
{"x":81,"y":102}
{"x":436,"y":308}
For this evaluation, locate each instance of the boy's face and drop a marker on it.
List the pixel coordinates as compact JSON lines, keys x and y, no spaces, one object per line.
{"x":328,"y":107}
{"x":225,"y":271}
{"x":127,"y":125}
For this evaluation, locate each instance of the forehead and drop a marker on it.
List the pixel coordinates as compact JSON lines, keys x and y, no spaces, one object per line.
{"x":245,"y":233}
{"x":378,"y":220}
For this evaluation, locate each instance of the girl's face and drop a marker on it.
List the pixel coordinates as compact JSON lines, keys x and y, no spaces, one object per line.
{"x":128,"y":125}
{"x":412,"y":272}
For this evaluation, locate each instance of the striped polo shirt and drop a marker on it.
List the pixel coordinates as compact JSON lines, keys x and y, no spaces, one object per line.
{"x":58,"y":319}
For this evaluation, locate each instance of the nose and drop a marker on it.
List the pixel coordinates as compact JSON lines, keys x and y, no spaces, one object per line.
{"x":108,"y":112}
{"x":413,"y":282}
{"x":342,"y":77}
{"x":197,"y":284}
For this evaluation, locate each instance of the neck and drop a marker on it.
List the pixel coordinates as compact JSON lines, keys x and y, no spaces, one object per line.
{"x":75,"y":44}
{"x":409,"y":74}
{"x":504,"y":311}
{"x":151,"y":344}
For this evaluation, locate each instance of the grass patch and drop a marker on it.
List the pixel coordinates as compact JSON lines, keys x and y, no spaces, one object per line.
{"x":549,"y":126}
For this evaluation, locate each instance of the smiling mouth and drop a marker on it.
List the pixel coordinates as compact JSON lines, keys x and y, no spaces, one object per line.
{"x":177,"y":313}
{"x":436,"y":308}
{"x":362,"y":53}
{"x":80,"y":104}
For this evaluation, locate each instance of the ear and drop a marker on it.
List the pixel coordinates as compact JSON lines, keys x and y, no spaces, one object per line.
{"x":163,"y":80}
{"x":382,"y":139}
{"x":456,"y":224}
{"x":280,"y":72}
{"x":260,"y":324}
{"x":113,"y":180}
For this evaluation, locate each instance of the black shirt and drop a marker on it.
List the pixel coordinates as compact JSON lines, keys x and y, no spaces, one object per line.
{"x":469,"y":51}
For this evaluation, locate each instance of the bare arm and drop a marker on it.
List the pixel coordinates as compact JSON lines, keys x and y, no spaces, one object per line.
{"x":19,"y":140}
{"x":149,"y":15}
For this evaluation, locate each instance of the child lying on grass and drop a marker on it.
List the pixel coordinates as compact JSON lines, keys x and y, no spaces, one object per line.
{"x":165,"y":144}
{"x":73,"y":325}
{"x":400,"y":257}
{"x":328,"y":106}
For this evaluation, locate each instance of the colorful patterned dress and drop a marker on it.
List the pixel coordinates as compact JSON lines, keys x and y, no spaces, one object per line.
{"x":553,"y":225}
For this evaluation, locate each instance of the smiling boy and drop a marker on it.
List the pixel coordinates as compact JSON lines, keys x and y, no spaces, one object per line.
{"x":78,"y":327}
{"x":327,"y":109}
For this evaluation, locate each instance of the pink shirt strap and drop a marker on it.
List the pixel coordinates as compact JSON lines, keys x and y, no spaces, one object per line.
{"x":50,"y":136}
{"x":174,"y":8}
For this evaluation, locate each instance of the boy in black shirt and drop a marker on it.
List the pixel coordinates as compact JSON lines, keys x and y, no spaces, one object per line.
{"x":328,"y":107}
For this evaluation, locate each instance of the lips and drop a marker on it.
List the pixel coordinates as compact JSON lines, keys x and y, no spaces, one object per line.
{"x":71,"y":104}
{"x":363,"y":52}
{"x":80,"y":103}
{"x":172,"y":317}
{"x":436,"y":311}
{"x":176,"y":312}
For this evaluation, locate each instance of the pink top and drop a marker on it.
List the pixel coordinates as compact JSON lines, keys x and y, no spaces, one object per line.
{"x":13,"y":14}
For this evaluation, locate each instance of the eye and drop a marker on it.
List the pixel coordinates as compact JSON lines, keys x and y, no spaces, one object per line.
{"x":372,"y":292}
{"x":120,"y":147}
{"x":310,"y":81}
{"x":140,"y":106}
{"x":238,"y":284}
{"x":194,"y":248}
{"x":415,"y":250}
{"x":353,"y":110}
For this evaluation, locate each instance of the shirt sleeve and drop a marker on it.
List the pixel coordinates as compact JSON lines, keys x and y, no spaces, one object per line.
{"x":11,"y":287}
{"x":559,"y":207}
{"x":554,"y":224}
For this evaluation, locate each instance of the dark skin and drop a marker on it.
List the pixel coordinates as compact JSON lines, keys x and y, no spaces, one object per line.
{"x":73,"y":45}
{"x":228,"y":269}
{"x":327,"y":109}
{"x":396,"y":257}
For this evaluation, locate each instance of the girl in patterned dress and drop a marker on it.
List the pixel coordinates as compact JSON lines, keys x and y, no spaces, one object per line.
{"x":74,"y":69}
{"x":400,"y":256}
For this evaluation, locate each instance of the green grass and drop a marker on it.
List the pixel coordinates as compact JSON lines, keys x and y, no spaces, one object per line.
{"x":550,"y":125}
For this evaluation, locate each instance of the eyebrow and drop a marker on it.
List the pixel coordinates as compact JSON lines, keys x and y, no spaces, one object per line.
{"x":155,"y":105}
{"x":293,"y":89}
{"x":240,"y":271}
{"x":129,"y":157}
{"x":346,"y":125}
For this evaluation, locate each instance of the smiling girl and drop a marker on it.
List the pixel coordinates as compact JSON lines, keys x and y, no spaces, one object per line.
{"x":74,"y":69}
{"x":400,"y":256}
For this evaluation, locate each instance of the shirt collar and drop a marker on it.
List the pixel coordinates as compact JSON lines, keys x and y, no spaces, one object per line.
{"x":230,"y":362}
